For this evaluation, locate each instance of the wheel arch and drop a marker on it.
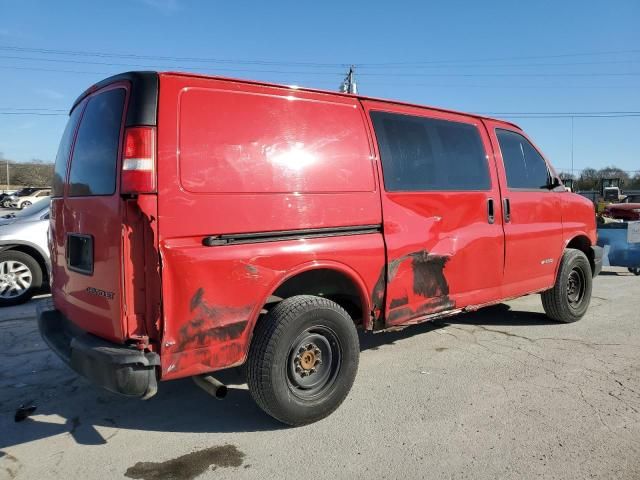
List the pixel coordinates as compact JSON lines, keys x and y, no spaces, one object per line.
{"x":301,"y":281}
{"x":581,"y":241}
{"x":333,"y":280}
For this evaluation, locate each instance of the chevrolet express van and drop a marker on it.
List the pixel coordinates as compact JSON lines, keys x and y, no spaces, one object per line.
{"x":200,"y":223}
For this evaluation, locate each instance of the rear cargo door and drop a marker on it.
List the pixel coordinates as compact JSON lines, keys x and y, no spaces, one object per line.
{"x":86,"y":217}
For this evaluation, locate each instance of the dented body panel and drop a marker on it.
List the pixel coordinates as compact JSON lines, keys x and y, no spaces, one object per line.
{"x":442,"y":252}
{"x":213,"y":295}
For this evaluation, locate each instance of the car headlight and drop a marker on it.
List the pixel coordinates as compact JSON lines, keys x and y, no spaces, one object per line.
{"x":636,"y":210}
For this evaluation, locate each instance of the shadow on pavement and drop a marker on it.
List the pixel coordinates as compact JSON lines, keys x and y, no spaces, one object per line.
{"x":608,"y":273}
{"x":93,"y":416}
{"x":495,"y":315}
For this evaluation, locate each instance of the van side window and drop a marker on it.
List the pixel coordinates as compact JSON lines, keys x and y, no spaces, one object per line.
{"x":93,"y":163}
{"x":64,"y":149}
{"x":525,"y":167}
{"x":426,"y":154}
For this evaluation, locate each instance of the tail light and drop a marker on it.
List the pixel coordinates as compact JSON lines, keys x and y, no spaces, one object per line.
{"x":139,"y":161}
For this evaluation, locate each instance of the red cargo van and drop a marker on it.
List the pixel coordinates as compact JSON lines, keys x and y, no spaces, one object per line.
{"x":199,"y":223}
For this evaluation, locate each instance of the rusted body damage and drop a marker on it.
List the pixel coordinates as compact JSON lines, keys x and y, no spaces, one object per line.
{"x":429,"y":290}
{"x":211,"y":323}
{"x":213,"y":296}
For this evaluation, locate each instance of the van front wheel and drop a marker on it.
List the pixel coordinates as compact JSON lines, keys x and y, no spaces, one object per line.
{"x":569,"y":298}
{"x":303,"y":359}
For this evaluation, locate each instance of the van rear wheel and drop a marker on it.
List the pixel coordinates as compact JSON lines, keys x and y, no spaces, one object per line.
{"x":569,"y":298}
{"x":303,"y":359}
{"x":20,"y":277}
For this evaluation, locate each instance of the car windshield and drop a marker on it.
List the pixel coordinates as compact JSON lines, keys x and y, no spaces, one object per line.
{"x":38,"y":207}
{"x":25,"y":193}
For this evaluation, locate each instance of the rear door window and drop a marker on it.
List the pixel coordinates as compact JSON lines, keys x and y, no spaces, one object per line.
{"x":64,"y":149}
{"x":95,"y":155}
{"x":524,"y":166}
{"x":427,"y":154}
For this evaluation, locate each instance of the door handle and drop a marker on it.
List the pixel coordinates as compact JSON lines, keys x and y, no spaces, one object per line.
{"x":507,"y":210}
{"x":491,"y":212}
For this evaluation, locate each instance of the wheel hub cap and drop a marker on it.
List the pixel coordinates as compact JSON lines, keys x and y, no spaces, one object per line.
{"x":314,"y":361}
{"x":15,"y":279}
{"x":575,"y":287}
{"x":307,"y":359}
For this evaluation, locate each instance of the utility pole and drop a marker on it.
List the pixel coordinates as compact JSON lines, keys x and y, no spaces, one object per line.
{"x":349,"y":83}
{"x":572,"y":146}
{"x":8,"y":182}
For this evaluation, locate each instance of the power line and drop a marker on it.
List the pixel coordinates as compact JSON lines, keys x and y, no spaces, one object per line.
{"x":160,"y":67}
{"x":567,"y":169}
{"x":38,"y":69}
{"x":502,"y":86}
{"x":510,"y":65}
{"x":516,"y":115}
{"x":297,"y":63}
{"x":472,"y":65}
{"x":298,"y":72}
{"x":508,"y":86}
{"x":167,"y":58}
{"x":569,"y":114}
{"x":499,"y":59}
{"x":474,"y":75}
{"x":42,"y":109}
{"x":37,"y":114}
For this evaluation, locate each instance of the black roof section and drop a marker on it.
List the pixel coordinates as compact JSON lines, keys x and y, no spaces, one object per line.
{"x":143,"y":101}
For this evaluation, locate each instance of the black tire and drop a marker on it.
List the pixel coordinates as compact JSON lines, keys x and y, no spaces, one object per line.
{"x":25,"y":204}
{"x":279,"y":359}
{"x":569,"y":298}
{"x":635,"y":270}
{"x":36,"y":276}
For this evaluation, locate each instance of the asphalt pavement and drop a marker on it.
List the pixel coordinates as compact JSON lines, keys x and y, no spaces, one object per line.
{"x":499,"y":393}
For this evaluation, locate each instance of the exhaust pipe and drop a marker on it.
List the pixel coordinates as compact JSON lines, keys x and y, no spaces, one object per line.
{"x":212,"y":386}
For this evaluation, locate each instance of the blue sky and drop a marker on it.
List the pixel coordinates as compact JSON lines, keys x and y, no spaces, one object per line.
{"x":501,"y":56}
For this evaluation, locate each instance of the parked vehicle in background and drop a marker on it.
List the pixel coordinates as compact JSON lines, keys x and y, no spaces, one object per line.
{"x":628,"y":210}
{"x":198,"y":223}
{"x":8,"y":201}
{"x":611,"y":189}
{"x":24,"y":253}
{"x":24,"y":201}
{"x":634,"y":198}
{"x":5,"y":196}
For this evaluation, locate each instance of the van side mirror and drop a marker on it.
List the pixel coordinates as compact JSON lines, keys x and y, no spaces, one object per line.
{"x":554,"y":182}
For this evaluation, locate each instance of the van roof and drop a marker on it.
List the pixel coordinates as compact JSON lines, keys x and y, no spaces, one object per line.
{"x":136,"y":75}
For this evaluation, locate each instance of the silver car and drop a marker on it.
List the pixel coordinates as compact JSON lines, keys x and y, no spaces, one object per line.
{"x":24,"y":254}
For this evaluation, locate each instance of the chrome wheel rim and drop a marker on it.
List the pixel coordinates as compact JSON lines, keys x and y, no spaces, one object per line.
{"x":15,"y":278}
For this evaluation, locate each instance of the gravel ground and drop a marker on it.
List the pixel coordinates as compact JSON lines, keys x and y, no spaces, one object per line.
{"x":500,"y":393}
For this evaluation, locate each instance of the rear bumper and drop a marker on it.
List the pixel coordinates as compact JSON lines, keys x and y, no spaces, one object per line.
{"x":597,"y":260}
{"x":118,"y":368}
